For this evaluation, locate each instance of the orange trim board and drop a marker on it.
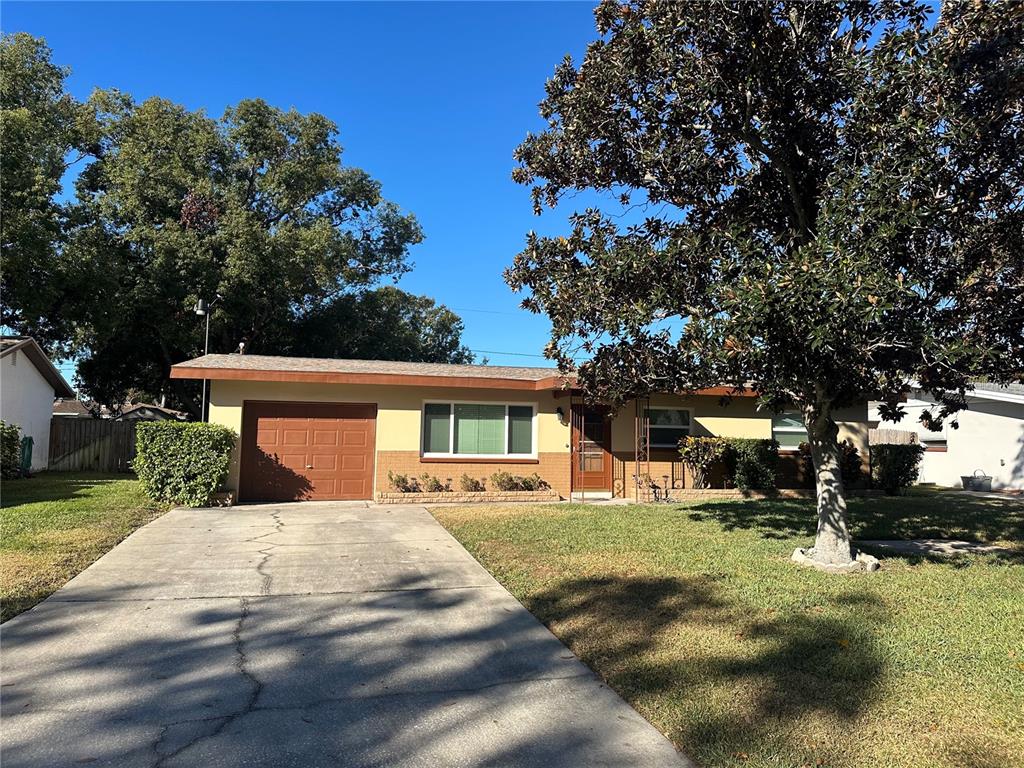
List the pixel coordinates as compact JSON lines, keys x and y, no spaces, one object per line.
{"x":549,"y":383}
{"x":334,"y":377}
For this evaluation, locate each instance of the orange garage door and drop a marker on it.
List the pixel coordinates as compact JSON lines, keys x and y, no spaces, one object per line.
{"x":293,"y":451}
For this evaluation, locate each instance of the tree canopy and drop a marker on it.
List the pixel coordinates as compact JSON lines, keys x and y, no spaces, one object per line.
{"x":821,"y":201}
{"x":171,"y":206}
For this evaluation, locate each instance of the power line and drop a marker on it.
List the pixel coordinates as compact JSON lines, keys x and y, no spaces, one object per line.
{"x":488,"y":311}
{"x":513,"y":354}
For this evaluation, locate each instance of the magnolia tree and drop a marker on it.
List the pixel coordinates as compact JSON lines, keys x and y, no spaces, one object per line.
{"x":821,"y":201}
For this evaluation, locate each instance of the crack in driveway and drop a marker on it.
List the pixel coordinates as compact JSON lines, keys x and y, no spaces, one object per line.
{"x":256,"y":687}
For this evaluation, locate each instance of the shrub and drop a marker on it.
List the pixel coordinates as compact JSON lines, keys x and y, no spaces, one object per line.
{"x":10,"y":450}
{"x":894,"y":467}
{"x":403,"y":483}
{"x":182,"y":463}
{"x":700,"y":454}
{"x":432,"y":484}
{"x":750,"y":464}
{"x":505,"y":481}
{"x":471,"y":484}
{"x":849,"y":465}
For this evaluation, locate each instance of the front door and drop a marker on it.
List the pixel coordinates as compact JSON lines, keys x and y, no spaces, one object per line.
{"x":591,"y":448}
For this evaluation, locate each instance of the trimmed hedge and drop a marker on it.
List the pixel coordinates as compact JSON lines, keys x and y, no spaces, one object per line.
{"x":182,"y":463}
{"x":750,"y":464}
{"x":850,"y":466}
{"x":700,"y":455}
{"x":506,"y":481}
{"x":894,"y":467}
{"x":10,"y":451}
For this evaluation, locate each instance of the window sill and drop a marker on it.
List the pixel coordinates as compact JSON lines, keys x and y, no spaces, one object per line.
{"x":471,"y":460}
{"x":936,"y":449}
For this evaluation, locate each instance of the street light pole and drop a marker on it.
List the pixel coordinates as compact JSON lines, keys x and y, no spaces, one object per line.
{"x":203,"y":308}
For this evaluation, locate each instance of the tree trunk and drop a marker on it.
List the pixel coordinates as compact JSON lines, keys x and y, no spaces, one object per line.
{"x":832,"y":544}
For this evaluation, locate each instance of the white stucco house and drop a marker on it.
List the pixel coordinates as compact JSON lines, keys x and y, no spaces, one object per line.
{"x":990,"y":437}
{"x":28,"y":384}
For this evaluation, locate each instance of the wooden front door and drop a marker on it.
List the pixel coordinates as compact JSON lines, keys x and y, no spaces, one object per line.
{"x":296,"y":451}
{"x":591,"y":448}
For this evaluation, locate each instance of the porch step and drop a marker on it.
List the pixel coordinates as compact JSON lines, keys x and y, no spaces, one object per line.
{"x":590,"y":495}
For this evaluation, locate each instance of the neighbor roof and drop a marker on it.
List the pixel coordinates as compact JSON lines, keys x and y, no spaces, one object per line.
{"x":324,"y":370}
{"x":27,"y":345}
{"x":1013,"y":392}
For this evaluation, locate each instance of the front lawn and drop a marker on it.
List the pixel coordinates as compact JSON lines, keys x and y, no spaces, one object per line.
{"x":54,"y":525}
{"x":695,"y":615}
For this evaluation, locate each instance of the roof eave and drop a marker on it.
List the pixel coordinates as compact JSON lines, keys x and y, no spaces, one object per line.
{"x":337,"y":377}
{"x":43,"y":364}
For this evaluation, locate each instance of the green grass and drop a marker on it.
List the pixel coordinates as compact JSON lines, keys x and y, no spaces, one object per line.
{"x":54,"y":525}
{"x":697,"y":617}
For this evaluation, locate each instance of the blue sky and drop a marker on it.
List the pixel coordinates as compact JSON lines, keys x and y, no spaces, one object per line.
{"x":430,"y":98}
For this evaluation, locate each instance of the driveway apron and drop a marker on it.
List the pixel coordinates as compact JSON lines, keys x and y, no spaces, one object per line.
{"x":313,"y":634}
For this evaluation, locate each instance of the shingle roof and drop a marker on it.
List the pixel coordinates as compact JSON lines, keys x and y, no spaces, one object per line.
{"x":391,"y":367}
{"x":1017,"y":389}
{"x":70,"y":407}
{"x":270,"y":367}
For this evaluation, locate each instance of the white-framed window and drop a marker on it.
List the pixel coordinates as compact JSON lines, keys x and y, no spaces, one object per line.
{"x":479,"y":430}
{"x":668,"y":426}
{"x":788,"y":430}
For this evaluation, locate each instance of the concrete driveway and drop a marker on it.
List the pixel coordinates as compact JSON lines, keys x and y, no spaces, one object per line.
{"x":316,"y":634}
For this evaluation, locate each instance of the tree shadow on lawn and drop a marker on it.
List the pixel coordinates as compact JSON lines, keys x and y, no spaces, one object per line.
{"x":53,"y":486}
{"x":935,"y":516}
{"x":777,"y":669}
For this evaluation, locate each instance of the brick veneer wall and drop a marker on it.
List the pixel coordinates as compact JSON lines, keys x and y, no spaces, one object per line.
{"x":665,"y":462}
{"x":552,"y":467}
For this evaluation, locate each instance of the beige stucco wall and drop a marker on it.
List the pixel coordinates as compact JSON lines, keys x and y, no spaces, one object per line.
{"x":399,"y":409}
{"x":399,"y":415}
{"x":740,"y":418}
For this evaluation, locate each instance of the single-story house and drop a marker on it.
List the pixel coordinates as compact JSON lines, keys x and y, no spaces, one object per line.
{"x":29,"y":382}
{"x":989,"y":440}
{"x":334,"y":429}
{"x":71,"y":408}
{"x":149,"y":412}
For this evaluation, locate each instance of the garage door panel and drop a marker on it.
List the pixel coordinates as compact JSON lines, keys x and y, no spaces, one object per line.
{"x":295,"y":436}
{"x":322,"y":436}
{"x":354,"y":439}
{"x":293,"y":451}
{"x":326,"y":462}
{"x":353,"y":463}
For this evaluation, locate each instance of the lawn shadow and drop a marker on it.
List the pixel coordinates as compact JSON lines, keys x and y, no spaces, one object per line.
{"x":937,"y":515}
{"x":52,"y":486}
{"x":781,"y":668}
{"x":772,"y":518}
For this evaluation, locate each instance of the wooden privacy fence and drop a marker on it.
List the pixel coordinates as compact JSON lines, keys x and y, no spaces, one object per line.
{"x":95,"y":445}
{"x":891,"y":437}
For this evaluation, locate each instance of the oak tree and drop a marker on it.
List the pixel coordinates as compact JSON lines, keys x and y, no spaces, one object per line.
{"x":821,"y":201}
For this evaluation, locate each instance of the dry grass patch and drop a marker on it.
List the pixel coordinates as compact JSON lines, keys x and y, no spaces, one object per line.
{"x":696,"y":616}
{"x":54,"y":525}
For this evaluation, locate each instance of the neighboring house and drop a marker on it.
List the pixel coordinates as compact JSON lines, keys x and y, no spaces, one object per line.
{"x":65,"y":408}
{"x":333,"y":429}
{"x":149,"y":412}
{"x":990,"y":437}
{"x":76,"y":409}
{"x":28,"y":384}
